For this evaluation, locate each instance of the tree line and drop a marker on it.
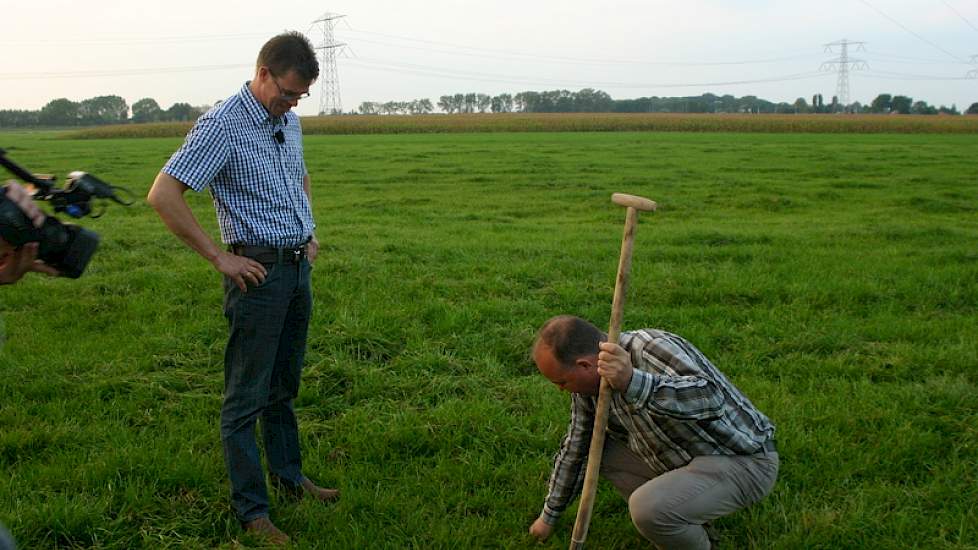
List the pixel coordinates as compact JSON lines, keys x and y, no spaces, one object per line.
{"x":112,"y":109}
{"x":107,"y":109}
{"x":590,"y":100}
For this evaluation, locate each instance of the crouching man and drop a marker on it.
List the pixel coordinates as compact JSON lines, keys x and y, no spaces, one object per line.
{"x":684,"y":445}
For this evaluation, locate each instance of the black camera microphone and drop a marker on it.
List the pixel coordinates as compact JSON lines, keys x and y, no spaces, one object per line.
{"x":279,"y":136}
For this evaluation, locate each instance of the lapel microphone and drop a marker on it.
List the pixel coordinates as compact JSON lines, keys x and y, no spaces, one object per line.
{"x":279,"y":136}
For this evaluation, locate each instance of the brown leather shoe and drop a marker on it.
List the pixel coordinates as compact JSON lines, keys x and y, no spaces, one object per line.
{"x":319,"y":493}
{"x":264,"y":528}
{"x":290,"y":492}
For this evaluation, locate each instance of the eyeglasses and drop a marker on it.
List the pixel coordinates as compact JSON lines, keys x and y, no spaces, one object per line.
{"x":288,"y":95}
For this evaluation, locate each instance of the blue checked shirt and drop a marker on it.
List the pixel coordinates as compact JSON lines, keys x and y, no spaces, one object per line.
{"x":676,"y":407}
{"x":255,"y":181}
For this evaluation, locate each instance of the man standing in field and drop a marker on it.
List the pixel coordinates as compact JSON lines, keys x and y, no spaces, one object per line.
{"x":248,"y":151}
{"x":684,"y":446}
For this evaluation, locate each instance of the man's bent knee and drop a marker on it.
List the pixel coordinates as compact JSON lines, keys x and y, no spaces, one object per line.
{"x":662,"y":524}
{"x":650,"y":516}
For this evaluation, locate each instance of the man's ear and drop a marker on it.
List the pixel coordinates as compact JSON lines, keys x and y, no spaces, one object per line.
{"x":586,"y":362}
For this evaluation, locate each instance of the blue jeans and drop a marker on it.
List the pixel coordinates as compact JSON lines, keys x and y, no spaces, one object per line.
{"x":262,"y":366}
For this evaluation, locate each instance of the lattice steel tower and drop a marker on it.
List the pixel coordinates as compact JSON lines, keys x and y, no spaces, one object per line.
{"x":843,"y":63}
{"x":973,"y":73}
{"x":329,"y":80}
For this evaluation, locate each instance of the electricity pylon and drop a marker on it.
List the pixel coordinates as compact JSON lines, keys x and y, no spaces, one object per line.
{"x":329,"y":80}
{"x":843,"y":63}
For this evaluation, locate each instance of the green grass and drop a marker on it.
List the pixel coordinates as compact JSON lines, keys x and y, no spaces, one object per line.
{"x":832,"y":277}
{"x":583,"y":122}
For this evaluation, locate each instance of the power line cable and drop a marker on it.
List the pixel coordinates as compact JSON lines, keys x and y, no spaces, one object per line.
{"x":906,"y":59}
{"x":421,"y":70}
{"x":889,"y":75}
{"x":121,"y":72}
{"x":507,"y":54}
{"x":905,"y":28}
{"x":963,"y":18}
{"x":134,"y":40}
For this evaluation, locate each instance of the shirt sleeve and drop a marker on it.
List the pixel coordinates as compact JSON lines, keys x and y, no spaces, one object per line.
{"x":691,"y":396}
{"x":203,"y":155}
{"x":569,"y":462}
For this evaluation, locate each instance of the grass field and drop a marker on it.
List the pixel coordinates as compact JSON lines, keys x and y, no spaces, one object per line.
{"x":586,"y":122}
{"x":834,"y":278}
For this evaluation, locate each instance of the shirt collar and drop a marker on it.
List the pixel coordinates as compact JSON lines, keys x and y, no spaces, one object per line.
{"x":259,"y":114}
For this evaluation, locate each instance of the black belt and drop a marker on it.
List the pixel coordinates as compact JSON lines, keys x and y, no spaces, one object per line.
{"x":770,"y":447}
{"x":270,"y":254}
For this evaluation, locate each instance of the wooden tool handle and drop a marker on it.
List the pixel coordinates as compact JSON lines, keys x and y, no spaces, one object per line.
{"x":634,"y":201}
{"x":589,"y":489}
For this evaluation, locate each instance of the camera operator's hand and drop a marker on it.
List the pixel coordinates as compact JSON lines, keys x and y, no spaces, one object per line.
{"x":16,"y":262}
{"x":19,"y":196}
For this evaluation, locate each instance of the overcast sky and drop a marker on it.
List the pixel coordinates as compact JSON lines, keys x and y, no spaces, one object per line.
{"x":201,"y":51}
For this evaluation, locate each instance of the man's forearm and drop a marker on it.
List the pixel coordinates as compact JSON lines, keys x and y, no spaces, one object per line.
{"x":166,"y":197}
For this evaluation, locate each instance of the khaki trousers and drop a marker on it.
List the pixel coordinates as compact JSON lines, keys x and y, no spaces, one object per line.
{"x":670,"y":509}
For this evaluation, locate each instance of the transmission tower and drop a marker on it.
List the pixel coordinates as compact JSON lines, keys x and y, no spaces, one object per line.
{"x":329,"y":80}
{"x":973,"y":73}
{"x":843,"y":63}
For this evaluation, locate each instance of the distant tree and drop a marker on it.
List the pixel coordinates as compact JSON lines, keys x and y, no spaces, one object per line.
{"x":369,"y":108}
{"x":446,"y":103}
{"x":973,"y":110}
{"x":527,"y":102}
{"x":855,"y":107}
{"x":146,"y":110}
{"x":590,"y":100}
{"x":106,"y":109}
{"x":60,"y":112}
{"x":483,"y":102}
{"x":502,"y":103}
{"x":424,"y":106}
{"x":728,"y":104}
{"x":535,"y":102}
{"x":181,"y":112}
{"x":818,"y":103}
{"x":952,"y":110}
{"x":801,"y":106}
{"x":563,"y":101}
{"x":901,"y":104}
{"x":19,"y":118}
{"x":882,"y":104}
{"x":922,"y":108}
{"x":495,"y":104}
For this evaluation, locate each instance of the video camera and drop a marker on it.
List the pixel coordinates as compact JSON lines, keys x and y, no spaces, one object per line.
{"x":64,"y":246}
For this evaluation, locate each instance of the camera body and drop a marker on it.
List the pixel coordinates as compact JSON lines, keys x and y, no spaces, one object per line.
{"x":66,"y":247}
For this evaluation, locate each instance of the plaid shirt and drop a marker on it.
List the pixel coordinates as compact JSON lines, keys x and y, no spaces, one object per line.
{"x":256,"y":182}
{"x":677,"y":406}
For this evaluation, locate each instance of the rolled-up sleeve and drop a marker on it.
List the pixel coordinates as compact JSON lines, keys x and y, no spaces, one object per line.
{"x":203,"y":155}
